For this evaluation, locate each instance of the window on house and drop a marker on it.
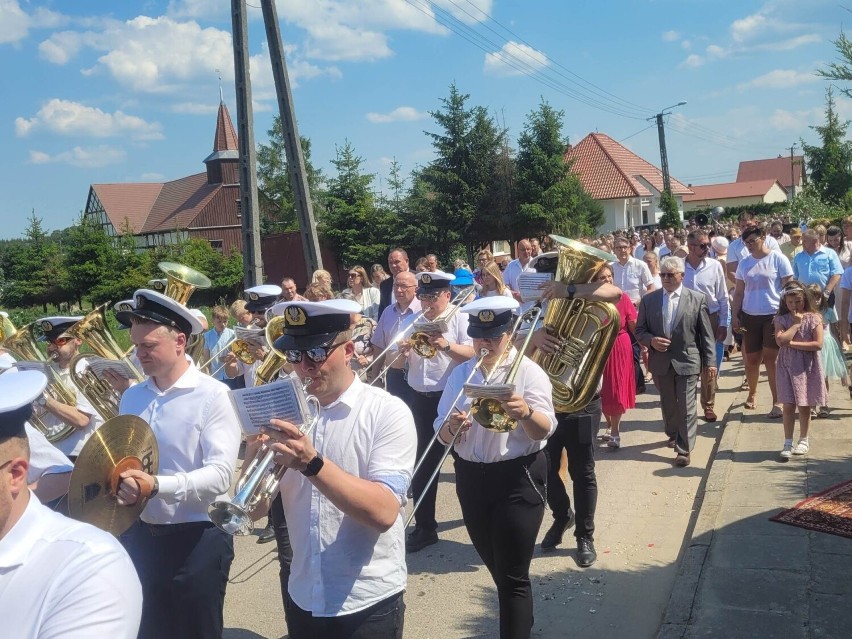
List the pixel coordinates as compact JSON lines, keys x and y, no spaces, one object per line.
{"x":218,"y":245}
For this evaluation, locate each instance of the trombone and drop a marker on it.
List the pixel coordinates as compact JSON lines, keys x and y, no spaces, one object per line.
{"x":394,"y":342}
{"x":420,"y":338}
{"x":482,"y":353}
{"x":262,"y":475}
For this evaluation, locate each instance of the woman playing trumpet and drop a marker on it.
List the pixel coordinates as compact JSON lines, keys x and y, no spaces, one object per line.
{"x":501,"y":477}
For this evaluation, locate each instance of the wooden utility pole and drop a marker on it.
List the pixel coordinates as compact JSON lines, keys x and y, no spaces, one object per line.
{"x":249,"y":207}
{"x":292,"y":141}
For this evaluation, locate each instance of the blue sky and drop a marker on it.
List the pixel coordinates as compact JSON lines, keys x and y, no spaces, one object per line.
{"x":100,"y":92}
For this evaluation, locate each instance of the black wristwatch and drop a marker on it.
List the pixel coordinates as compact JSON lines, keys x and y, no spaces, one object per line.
{"x":156,"y":488}
{"x":314,"y":466}
{"x":446,"y":349}
{"x":572,"y":291}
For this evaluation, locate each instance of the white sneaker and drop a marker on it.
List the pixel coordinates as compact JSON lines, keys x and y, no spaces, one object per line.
{"x":787,"y":452}
{"x":801,"y":448}
{"x":614,"y":441}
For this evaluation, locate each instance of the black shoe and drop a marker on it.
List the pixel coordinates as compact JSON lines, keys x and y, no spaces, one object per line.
{"x":553,"y":537}
{"x":586,"y":554}
{"x":266,"y":535}
{"x":419,"y":538}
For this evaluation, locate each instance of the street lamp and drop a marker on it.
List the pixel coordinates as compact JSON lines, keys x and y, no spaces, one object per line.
{"x":664,"y":161}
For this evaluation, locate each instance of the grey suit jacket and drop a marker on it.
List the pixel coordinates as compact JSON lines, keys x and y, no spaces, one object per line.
{"x":693,"y":343}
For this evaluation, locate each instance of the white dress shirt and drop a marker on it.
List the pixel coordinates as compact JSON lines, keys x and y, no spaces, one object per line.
{"x":198,"y":436}
{"x":632,"y":277}
{"x":341,"y":566}
{"x":63,"y":579}
{"x":392,"y":322}
{"x":73,"y":444}
{"x":485,"y":446}
{"x":430,"y":375}
{"x":45,"y":458}
{"x":248,"y":371}
{"x":709,"y":279}
{"x":513,"y":272}
{"x":670,"y":304}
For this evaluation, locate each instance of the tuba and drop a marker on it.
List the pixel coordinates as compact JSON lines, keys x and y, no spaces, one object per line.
{"x":182,"y":280}
{"x":24,"y":345}
{"x":93,"y":331}
{"x":586,"y":329}
{"x":275,"y":359}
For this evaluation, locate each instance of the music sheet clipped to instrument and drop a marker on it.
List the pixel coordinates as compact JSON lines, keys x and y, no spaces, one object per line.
{"x":277,"y":400}
{"x":529,"y":283}
{"x":101,"y":364}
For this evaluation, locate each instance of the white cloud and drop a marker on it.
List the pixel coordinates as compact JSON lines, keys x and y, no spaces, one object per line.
{"x":399,"y":114}
{"x":780,"y":79}
{"x":790,"y":43}
{"x":692,"y":61}
{"x":64,"y":117}
{"x":80,"y":157}
{"x":794,"y":121}
{"x":515,"y":59}
{"x":670,"y":36}
{"x":750,"y":26}
{"x":60,"y":47}
{"x":15,"y":23}
{"x":686,"y":45}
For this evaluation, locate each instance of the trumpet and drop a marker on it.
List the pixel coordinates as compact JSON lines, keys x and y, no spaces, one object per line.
{"x":261,"y":477}
{"x":420,"y":339}
{"x":488,"y":411}
{"x":482,"y":353}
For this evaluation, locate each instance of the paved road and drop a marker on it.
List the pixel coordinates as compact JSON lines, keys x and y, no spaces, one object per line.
{"x":645,"y":511}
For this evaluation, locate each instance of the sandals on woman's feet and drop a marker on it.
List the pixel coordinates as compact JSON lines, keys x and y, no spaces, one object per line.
{"x":775,"y":413}
{"x":744,"y":385}
{"x":649,"y":378}
{"x":749,"y":405}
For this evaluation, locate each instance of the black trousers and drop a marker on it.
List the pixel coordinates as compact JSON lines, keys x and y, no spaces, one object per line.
{"x":576,"y":433}
{"x":397,"y":386}
{"x":282,"y":541}
{"x":425,"y":410}
{"x":383,"y":620}
{"x":184,"y":571}
{"x":502,"y":505}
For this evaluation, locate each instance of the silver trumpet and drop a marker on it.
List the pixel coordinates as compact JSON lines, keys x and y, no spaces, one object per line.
{"x":260,"y":480}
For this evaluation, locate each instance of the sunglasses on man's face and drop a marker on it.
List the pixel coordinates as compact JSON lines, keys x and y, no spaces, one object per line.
{"x":317,"y":355}
{"x":666,"y":276}
{"x":427,"y":297}
{"x":703,"y":247}
{"x":60,"y":341}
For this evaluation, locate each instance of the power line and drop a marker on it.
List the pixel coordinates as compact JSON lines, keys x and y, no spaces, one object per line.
{"x":650,"y":126}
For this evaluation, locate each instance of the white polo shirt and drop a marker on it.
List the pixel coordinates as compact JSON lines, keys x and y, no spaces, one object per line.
{"x":341,"y":566}
{"x":61,"y":578}
{"x":73,"y":444}
{"x":392,"y":322}
{"x":709,"y":279}
{"x":485,"y":446}
{"x":633,"y":277}
{"x":198,"y":436}
{"x":430,"y":375}
{"x":513,"y":272}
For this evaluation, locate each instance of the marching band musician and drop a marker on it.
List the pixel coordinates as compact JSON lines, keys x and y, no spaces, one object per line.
{"x":575,"y":433}
{"x":395,"y":319}
{"x":501,"y":478}
{"x":61,"y":349}
{"x":260,"y":299}
{"x":427,"y":378}
{"x":58,"y":577}
{"x":182,"y":559}
{"x":344,"y":507}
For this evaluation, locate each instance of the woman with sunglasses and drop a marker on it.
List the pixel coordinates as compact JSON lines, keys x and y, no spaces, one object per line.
{"x":361,"y":291}
{"x":760,"y":278}
{"x":344,"y":505}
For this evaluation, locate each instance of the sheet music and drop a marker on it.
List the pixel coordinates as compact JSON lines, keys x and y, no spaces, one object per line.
{"x":528,"y":285}
{"x":277,"y":400}
{"x":32,"y":366}
{"x":497,"y":391}
{"x":253,"y":335}
{"x":100,"y":364}
{"x":437,"y":326}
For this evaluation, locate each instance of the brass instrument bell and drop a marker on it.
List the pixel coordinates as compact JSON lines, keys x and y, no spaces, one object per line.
{"x":182,"y":280}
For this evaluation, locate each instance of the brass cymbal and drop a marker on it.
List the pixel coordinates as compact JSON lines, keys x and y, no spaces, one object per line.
{"x":121,"y":443}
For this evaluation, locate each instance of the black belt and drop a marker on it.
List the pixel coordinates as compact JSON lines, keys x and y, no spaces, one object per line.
{"x":161,"y":530}
{"x":429,"y":394}
{"x":526,"y":460}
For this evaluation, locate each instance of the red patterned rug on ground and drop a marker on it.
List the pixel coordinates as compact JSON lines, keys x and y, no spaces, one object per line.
{"x":829,"y":511}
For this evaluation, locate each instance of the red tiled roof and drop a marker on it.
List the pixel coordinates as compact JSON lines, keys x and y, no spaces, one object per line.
{"x":609,"y":170}
{"x":731,"y":190}
{"x":774,"y":169}
{"x":128,"y":201}
{"x":226,"y":137}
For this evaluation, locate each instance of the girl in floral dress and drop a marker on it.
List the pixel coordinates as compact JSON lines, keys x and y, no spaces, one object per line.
{"x":800,"y":380}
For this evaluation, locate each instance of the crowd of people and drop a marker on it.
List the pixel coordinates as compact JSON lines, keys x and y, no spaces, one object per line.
{"x":391,"y":359}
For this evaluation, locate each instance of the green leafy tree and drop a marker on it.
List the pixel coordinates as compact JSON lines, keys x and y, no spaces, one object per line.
{"x":128,"y":270}
{"x":356,"y":228}
{"x":830,"y":163}
{"x":89,"y":256}
{"x":550,"y":197}
{"x":276,"y":194}
{"x":38,"y":276}
{"x":841,"y":70}
{"x":670,"y":219}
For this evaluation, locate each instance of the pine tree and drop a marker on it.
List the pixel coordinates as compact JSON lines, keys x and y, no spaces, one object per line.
{"x":670,"y":219}
{"x":831,"y":163}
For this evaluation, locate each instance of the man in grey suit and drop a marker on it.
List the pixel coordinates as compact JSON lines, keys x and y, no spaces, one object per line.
{"x":675,"y":326}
